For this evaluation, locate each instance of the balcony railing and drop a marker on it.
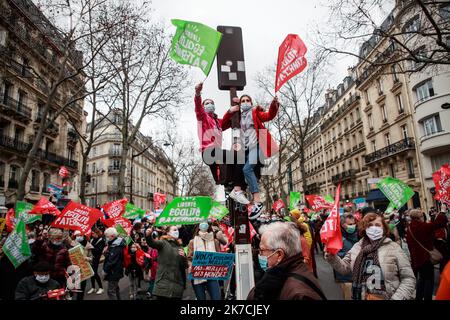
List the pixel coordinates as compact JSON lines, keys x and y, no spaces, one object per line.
{"x":346,"y":175}
{"x":112,"y":169}
{"x":112,"y":189}
{"x":114,"y":153}
{"x":392,"y":149}
{"x":15,"y":106}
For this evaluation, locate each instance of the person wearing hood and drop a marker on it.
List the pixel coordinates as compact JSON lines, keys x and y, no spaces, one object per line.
{"x":380,"y":269}
{"x":37,"y":285}
{"x":349,"y":239}
{"x":172,"y":264}
{"x":113,"y":264}
{"x":54,"y":252}
{"x":210,"y":135}
{"x":204,"y":240}
{"x":286,"y":276}
{"x":257,"y":142}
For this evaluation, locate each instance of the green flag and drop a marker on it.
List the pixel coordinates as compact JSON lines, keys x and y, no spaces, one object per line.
{"x":218,"y":211}
{"x":294,"y":198}
{"x":329,"y":199}
{"x":195,"y":44}
{"x":396,"y":191}
{"x":22,"y":208}
{"x":121,"y":231}
{"x":132,"y":212}
{"x":185,"y":210}
{"x":16,"y":246}
{"x":390,"y":208}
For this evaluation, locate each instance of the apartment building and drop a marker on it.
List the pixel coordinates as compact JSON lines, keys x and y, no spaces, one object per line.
{"x":28,"y":42}
{"x":148,"y":168}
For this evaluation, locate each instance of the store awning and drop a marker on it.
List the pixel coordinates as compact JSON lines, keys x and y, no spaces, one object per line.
{"x":376,"y":195}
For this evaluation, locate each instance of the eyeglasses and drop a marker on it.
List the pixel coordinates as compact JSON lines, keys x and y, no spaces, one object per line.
{"x":262,"y":250}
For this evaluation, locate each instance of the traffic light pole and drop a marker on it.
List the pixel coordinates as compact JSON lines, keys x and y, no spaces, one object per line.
{"x":239,"y":214}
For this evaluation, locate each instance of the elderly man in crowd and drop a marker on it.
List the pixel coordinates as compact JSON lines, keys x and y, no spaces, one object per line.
{"x":286,"y":275}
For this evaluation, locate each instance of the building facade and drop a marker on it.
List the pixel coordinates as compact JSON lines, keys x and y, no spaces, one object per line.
{"x":26,"y":45}
{"x":147,"y":173}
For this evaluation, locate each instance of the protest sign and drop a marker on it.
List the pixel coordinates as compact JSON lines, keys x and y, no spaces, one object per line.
{"x":294,"y":199}
{"x":115,"y":209}
{"x":76,"y":216}
{"x":55,"y":189}
{"x":78,"y":258}
{"x":185,"y":210}
{"x":22,"y":212}
{"x":360,"y":203}
{"x":330,"y":233}
{"x":44,"y":206}
{"x":195,"y":44}
{"x":278,"y":205}
{"x":16,"y":246}
{"x":291,"y":60}
{"x":211,"y":265}
{"x":441,"y":180}
{"x":317,"y":202}
{"x":396,"y":191}
{"x":218,"y":211}
{"x":133,"y":212}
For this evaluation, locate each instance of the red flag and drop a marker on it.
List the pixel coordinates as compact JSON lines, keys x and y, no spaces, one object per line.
{"x":291,"y":60}
{"x":318,"y":202}
{"x":441,"y":180}
{"x":10,"y":220}
{"x":63,"y":172}
{"x":76,"y":216}
{"x":125,"y":223}
{"x":44,"y":206}
{"x":158,"y":200}
{"x":115,"y":209}
{"x":252,"y":232}
{"x":330,"y":234}
{"x":278,"y":205}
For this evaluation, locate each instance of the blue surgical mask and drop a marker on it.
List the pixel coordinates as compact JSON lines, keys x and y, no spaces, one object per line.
{"x":351,"y":228}
{"x":204,"y":226}
{"x":264,"y":261}
{"x":246,"y":106}
{"x":210,"y":108}
{"x":79,"y":239}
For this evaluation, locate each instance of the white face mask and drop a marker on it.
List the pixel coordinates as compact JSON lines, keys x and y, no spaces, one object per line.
{"x":174,"y":234}
{"x":210,"y":107}
{"x":374,"y":233}
{"x":246,"y":106}
{"x":79,"y":239}
{"x":42,"y":278}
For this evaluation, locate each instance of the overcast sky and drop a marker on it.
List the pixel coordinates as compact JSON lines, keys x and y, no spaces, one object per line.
{"x":264,"y":23}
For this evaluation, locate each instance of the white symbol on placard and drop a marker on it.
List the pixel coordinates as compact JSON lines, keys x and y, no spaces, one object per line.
{"x":74,"y":279}
{"x":229,"y":63}
{"x":242,"y":228}
{"x":232,"y":76}
{"x":241,"y":66}
{"x":225,"y":68}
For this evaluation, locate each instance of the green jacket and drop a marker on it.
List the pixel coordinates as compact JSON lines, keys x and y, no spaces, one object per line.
{"x":170,"y":279}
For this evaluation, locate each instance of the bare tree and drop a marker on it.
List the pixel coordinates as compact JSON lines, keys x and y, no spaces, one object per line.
{"x":416,"y":32}
{"x":148,"y":82}
{"x":300,"y":99}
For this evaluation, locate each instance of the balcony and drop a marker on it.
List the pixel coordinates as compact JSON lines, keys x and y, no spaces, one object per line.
{"x":72,"y":136}
{"x":13,"y":184}
{"x":392,"y":149}
{"x":15,"y":109}
{"x":375,"y":65}
{"x":14,"y":144}
{"x":114,"y":153}
{"x":113,"y":170}
{"x":52,"y":127}
{"x":343,"y":176}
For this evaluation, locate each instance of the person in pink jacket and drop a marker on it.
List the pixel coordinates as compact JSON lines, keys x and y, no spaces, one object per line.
{"x":210,"y":137}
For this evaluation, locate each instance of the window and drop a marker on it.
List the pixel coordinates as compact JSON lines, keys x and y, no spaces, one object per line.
{"x":3,"y":34}
{"x":411,"y":27}
{"x":380,"y":86}
{"x":2,"y":174}
{"x":424,"y":91}
{"x":370,"y":118}
{"x":116,"y":164}
{"x":374,"y":146}
{"x":387,"y":138}
{"x":445,"y":11}
{"x":70,"y":153}
{"x":410,"y":167}
{"x":404,"y":131}
{"x":94,"y":151}
{"x":394,"y":73}
{"x":400,"y":104}
{"x":94,"y":168}
{"x":14,"y":173}
{"x":432,"y":125}
{"x":439,"y":160}
{"x":34,"y":180}
{"x":366,"y":94}
{"x":46,"y":180}
{"x":392,"y":170}
{"x":383,"y":113}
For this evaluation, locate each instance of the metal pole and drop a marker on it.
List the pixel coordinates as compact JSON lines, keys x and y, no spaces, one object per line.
{"x":96,"y":194}
{"x":131,"y":179}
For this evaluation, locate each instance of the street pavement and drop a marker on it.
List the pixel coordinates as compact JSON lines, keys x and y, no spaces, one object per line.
{"x":324,"y":271}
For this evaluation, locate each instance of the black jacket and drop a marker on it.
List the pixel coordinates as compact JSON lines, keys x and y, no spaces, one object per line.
{"x":98,"y":244}
{"x":113,"y":264}
{"x":30,"y":289}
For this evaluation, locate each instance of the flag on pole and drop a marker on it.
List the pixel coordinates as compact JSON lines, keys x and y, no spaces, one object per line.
{"x":294,"y":199}
{"x":291,"y":60}
{"x":330,"y":233}
{"x":195,"y":44}
{"x":16,"y":246}
{"x":441,"y":180}
{"x":396,"y":191}
{"x":44,"y":206}
{"x":63,"y":172}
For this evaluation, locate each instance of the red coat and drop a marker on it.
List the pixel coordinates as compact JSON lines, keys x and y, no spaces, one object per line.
{"x":267,"y":144}
{"x":424,"y":233}
{"x":209,"y":126}
{"x":58,"y":257}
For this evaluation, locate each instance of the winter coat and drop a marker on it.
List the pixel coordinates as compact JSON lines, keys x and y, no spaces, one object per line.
{"x":170,"y":279}
{"x":57,"y":256}
{"x":98,"y":244}
{"x":209,"y":126}
{"x":398,"y":276}
{"x":10,"y":276}
{"x":424,"y":233}
{"x":348,"y":241}
{"x":275,"y":285}
{"x":265,"y":140}
{"x":113,"y":264}
{"x":30,"y":289}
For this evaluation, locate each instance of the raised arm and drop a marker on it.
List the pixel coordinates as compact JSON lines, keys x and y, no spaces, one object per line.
{"x":199,"y":109}
{"x":272,"y":113}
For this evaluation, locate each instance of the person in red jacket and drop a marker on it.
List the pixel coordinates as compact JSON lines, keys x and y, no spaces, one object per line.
{"x":210,"y":136}
{"x":257,"y":141}
{"x":420,"y":235}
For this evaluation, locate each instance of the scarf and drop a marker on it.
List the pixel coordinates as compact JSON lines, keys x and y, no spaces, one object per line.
{"x":204,"y":241}
{"x":366,"y":268}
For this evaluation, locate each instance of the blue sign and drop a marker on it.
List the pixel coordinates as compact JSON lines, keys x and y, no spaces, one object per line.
{"x":211,"y":266}
{"x":54,"y":189}
{"x":360,"y":203}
